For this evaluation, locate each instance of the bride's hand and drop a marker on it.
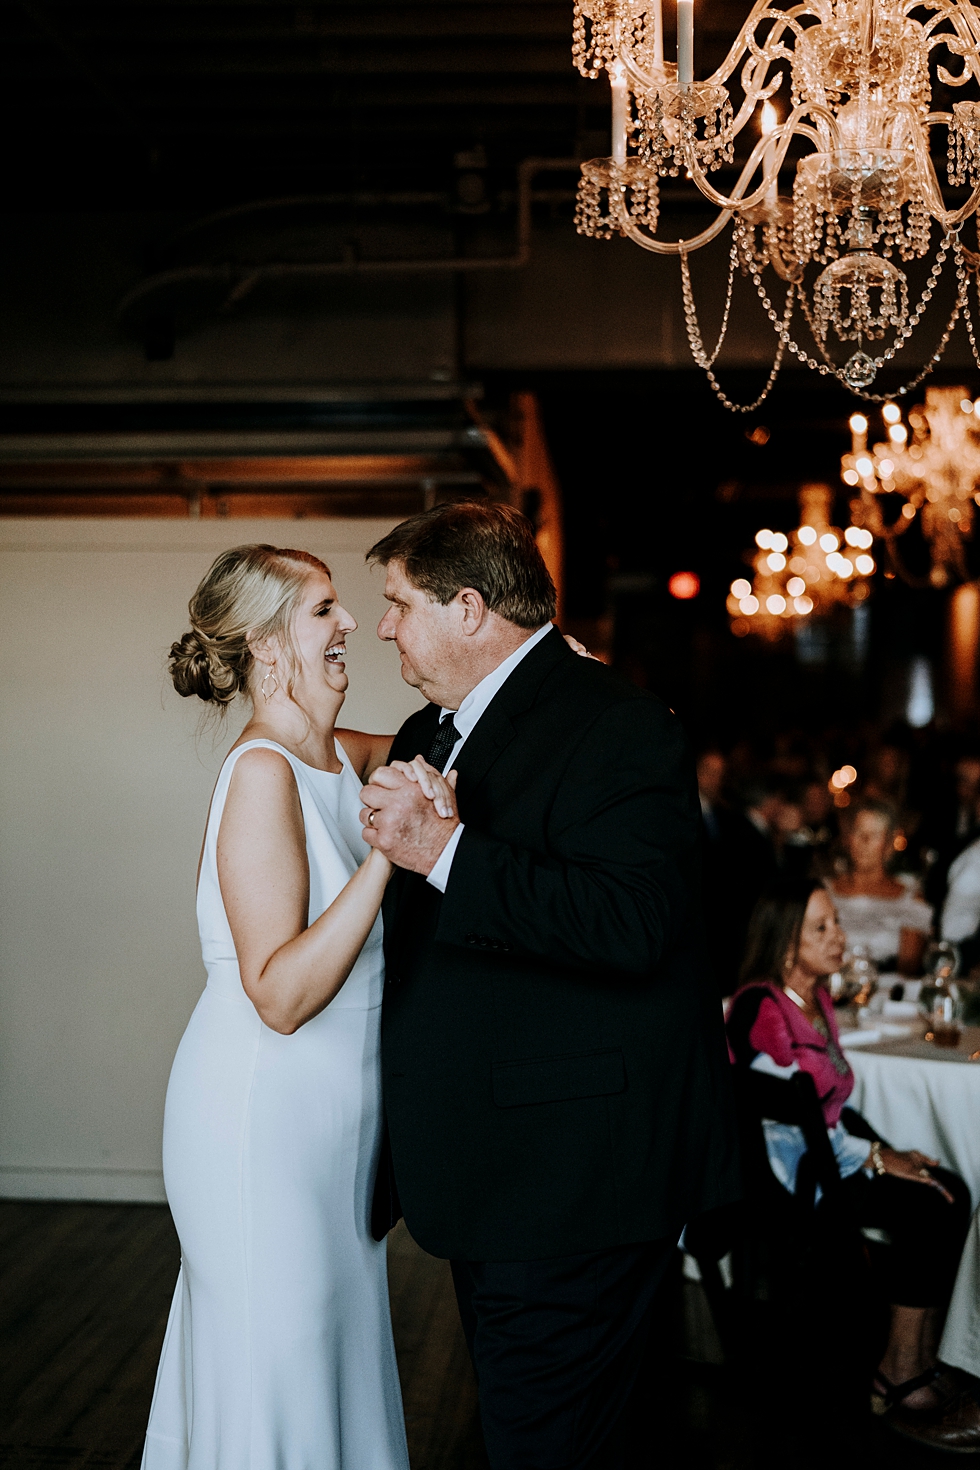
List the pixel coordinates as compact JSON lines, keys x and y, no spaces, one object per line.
{"x":578,"y":647}
{"x":440,"y":789}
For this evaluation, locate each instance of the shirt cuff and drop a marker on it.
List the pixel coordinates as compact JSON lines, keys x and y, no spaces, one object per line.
{"x":439,"y":877}
{"x":850,"y":1152}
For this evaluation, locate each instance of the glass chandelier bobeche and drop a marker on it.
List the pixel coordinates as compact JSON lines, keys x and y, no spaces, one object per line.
{"x":803,"y":575}
{"x":937,"y":472}
{"x":857,"y":79}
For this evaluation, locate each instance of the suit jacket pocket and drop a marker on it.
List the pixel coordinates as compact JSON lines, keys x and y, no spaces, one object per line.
{"x":558,"y":1079}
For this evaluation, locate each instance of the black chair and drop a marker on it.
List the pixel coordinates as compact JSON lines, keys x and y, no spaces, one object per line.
{"x":760,"y":1260}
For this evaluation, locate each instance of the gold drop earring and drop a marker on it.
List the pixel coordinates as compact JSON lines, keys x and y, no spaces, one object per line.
{"x":268,"y":693}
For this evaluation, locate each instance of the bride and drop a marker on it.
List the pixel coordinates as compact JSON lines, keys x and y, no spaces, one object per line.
{"x":278,"y":1353}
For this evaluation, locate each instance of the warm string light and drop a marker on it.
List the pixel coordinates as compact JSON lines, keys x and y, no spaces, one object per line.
{"x":855,"y":82}
{"x":803,"y":574}
{"x":937,"y":474}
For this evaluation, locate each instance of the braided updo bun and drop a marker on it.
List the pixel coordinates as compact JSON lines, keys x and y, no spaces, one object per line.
{"x":248,"y":595}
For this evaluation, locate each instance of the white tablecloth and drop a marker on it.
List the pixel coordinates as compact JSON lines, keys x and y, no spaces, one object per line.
{"x":932,"y":1105}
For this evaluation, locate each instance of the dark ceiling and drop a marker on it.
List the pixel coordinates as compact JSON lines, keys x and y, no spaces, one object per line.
{"x":190,"y":103}
{"x":171,"y":103}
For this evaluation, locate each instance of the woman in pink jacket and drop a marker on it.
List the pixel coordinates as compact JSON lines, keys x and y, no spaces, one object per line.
{"x":780,"y":1021}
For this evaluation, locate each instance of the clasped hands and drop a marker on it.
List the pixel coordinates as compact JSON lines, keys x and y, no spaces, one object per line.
{"x":912,"y":1165}
{"x":410,"y":813}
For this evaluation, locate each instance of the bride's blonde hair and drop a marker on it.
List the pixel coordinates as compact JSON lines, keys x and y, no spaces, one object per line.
{"x":249,"y":594}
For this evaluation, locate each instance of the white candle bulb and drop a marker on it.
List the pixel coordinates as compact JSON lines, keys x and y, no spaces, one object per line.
{"x":658,"y":36}
{"x":685,"y":42}
{"x":620,"y":111}
{"x":768,"y":123}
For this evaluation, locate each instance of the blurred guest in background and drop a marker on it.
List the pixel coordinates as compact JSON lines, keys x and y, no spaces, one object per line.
{"x":960,"y":920}
{"x":782,"y":1021}
{"x":952,"y":827}
{"x":888,"y":774}
{"x":738,"y":861}
{"x":877,"y":911}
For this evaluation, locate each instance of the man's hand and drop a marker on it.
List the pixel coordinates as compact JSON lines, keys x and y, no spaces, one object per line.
{"x":401,"y":813}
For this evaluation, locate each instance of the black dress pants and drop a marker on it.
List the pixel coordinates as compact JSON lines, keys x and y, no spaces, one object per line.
{"x":557,"y":1345}
{"x":918,"y":1258}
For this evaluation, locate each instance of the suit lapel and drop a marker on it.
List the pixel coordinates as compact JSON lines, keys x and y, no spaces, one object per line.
{"x":495,"y":729}
{"x":491,"y":735}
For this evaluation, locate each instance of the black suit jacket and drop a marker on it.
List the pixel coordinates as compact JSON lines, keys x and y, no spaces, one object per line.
{"x":553,"y":1057}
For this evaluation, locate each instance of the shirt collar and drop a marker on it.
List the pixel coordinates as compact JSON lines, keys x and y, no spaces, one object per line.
{"x":475,"y":703}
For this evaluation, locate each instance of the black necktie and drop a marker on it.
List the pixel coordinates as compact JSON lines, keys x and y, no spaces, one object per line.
{"x":442,"y":743}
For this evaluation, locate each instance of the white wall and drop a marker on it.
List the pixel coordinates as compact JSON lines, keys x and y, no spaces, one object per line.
{"x":104,"y":787}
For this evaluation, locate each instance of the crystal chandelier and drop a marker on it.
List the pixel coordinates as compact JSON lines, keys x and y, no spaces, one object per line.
{"x":803,"y":575}
{"x":856,"y":79}
{"x":937,"y":473}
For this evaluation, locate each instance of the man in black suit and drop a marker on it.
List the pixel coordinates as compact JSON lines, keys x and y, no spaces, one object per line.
{"x":553,"y":1060}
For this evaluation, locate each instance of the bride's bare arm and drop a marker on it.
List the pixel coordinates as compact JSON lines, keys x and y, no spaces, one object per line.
{"x":290,"y":971}
{"x":365,"y":752}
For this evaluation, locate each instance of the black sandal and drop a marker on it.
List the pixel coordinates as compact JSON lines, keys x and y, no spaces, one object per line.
{"x":885,"y":1394}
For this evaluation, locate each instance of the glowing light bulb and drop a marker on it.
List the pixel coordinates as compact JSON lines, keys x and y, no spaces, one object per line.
{"x":828,"y":541}
{"x":775,"y":561}
{"x":803,"y":605}
{"x":850,"y":477}
{"x":763,"y":539}
{"x":684,"y":585}
{"x":966,"y":405}
{"x":796,"y":586}
{"x":776,"y":604}
{"x":741,"y":587}
{"x":891,"y":413}
{"x":865,"y":564}
{"x":769,"y":119}
{"x":779,"y":541}
{"x":857,"y":423}
{"x":748,"y":606}
{"x":807,"y":535}
{"x":852,"y":536}
{"x":898,"y":433}
{"x":865,"y":466}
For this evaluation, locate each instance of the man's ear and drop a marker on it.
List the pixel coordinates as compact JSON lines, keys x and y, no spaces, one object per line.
{"x":474,"y":609}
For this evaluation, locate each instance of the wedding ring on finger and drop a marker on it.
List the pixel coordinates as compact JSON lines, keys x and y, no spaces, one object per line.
{"x":370,"y":820}
{"x":924,"y":1174}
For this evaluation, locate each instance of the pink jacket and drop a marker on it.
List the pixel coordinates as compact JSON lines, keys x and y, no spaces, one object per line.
{"x":762,"y":1017}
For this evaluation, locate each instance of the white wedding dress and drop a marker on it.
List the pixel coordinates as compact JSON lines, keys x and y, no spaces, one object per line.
{"x":278,"y":1353}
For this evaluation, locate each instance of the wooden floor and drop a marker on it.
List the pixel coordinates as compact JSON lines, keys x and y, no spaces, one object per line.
{"x":84,"y":1295}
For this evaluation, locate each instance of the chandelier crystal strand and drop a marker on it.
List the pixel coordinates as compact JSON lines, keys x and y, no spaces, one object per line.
{"x":854,"y":80}
{"x":707,"y":363}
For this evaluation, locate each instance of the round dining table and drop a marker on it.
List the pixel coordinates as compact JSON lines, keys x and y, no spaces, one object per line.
{"x":918,"y":1095}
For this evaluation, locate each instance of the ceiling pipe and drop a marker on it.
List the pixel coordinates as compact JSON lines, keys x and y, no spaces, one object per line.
{"x":241,"y":279}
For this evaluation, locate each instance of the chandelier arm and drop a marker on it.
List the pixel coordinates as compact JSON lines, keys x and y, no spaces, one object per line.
{"x":737,"y":199}
{"x":720,"y":75}
{"x":674,"y":247}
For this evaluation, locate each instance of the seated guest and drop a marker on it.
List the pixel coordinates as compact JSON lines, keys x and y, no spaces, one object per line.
{"x":876,"y":910}
{"x":960,"y":920}
{"x":781,"y":1020}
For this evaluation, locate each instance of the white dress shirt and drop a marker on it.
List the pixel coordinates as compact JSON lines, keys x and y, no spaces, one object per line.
{"x":465,"y":719}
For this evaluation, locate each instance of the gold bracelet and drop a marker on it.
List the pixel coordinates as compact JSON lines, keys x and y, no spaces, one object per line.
{"x":876,"y":1159}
